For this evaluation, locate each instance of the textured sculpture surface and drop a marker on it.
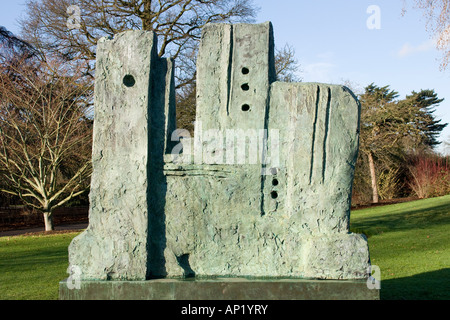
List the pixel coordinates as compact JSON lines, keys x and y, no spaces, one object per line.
{"x":262,"y":190}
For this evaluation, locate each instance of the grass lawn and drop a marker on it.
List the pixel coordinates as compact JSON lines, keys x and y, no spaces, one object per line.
{"x":410,"y":242}
{"x":32,"y":266}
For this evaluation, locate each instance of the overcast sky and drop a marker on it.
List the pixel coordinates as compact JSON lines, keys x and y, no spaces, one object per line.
{"x":358,"y":41}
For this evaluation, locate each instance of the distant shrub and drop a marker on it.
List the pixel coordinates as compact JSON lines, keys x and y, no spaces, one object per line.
{"x":429,"y":175}
{"x":389,"y":184}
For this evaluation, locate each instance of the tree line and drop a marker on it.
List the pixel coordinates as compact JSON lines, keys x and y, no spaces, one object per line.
{"x":397,"y":141}
{"x":46,"y":86}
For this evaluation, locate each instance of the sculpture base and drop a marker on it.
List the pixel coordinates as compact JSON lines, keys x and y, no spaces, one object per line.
{"x":220,"y":289}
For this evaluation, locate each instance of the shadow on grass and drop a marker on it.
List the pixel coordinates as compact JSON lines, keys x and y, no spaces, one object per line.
{"x":402,"y":220}
{"x":433,"y":285}
{"x":31,"y":260}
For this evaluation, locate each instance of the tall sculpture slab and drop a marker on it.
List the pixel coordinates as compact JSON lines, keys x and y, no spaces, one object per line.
{"x":133,"y":92}
{"x":263,"y":188}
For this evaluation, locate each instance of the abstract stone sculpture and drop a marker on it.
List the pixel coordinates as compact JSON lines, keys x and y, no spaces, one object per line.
{"x":204,"y":212}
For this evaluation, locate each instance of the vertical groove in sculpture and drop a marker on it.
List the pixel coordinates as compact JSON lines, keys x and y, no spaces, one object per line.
{"x":285,"y":216}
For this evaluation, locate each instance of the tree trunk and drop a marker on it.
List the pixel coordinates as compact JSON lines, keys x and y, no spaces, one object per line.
{"x":373,"y":177}
{"x":48,"y":220}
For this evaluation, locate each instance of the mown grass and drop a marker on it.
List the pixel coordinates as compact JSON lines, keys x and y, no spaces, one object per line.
{"x":410,"y":242}
{"x":32,"y":266}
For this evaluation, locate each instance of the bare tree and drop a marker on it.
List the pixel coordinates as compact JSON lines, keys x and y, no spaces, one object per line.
{"x":45,"y":134}
{"x":12,"y":47}
{"x":177,"y":23}
{"x":437,"y":14}
{"x":286,"y":65}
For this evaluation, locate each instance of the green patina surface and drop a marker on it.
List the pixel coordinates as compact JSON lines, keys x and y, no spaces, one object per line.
{"x":238,"y":205}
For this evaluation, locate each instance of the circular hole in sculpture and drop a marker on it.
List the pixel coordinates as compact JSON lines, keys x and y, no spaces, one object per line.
{"x":275,"y":182}
{"x":245,"y":87}
{"x":245,"y":107}
{"x":274,"y":171}
{"x":129,"y":81}
{"x":274,"y":194}
{"x":245,"y":71}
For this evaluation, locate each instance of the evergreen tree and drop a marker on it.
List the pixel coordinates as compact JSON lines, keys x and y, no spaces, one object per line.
{"x":392,"y":128}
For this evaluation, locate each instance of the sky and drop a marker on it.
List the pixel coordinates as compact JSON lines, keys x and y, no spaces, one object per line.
{"x":334,"y":44}
{"x":348,"y":41}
